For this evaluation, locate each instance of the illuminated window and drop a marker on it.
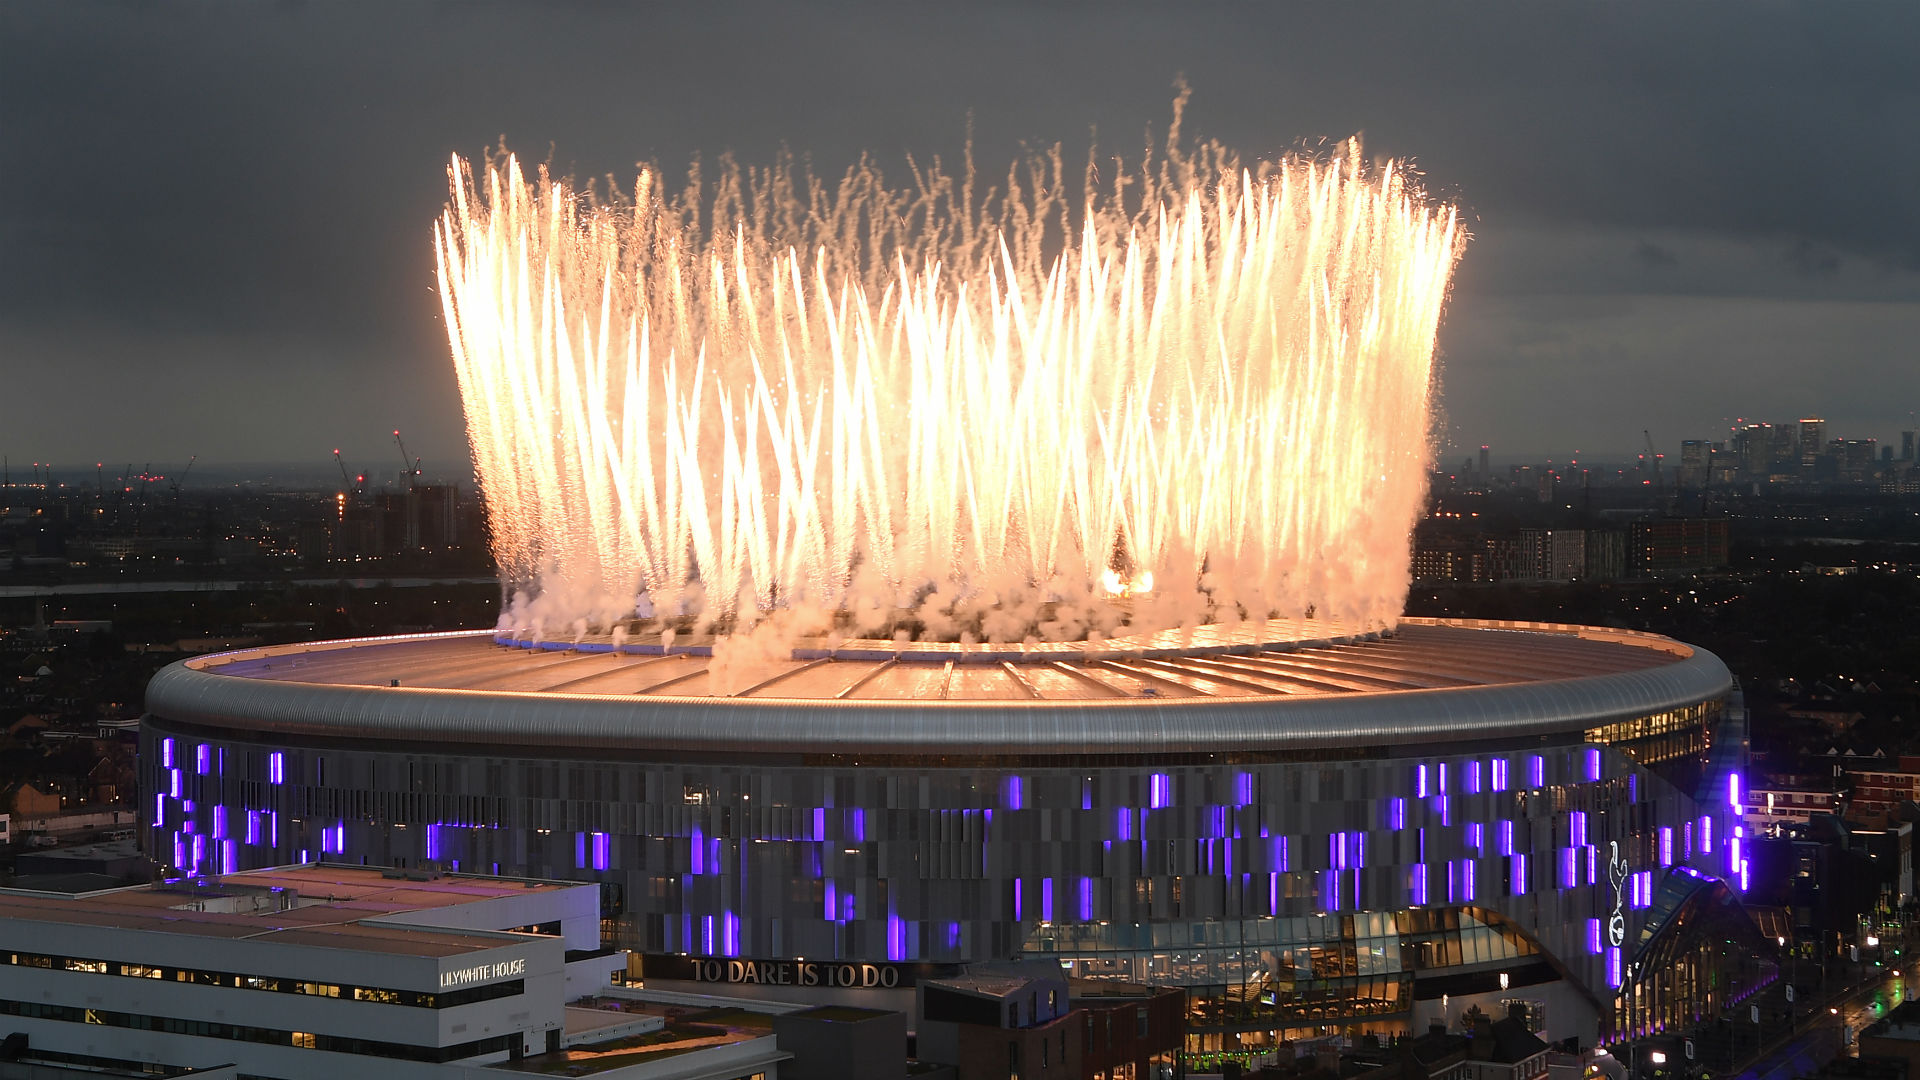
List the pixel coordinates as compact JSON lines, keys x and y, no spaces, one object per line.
{"x":303,"y":1038}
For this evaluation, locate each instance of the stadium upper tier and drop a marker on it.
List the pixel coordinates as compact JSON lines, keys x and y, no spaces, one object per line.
{"x":1309,"y":686}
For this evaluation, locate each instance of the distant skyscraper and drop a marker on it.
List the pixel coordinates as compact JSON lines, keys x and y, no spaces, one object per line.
{"x":1485,"y":475}
{"x":1693,"y":463}
{"x":1812,"y":441}
{"x":1906,"y":446}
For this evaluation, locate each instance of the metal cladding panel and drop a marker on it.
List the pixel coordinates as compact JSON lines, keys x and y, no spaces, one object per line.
{"x":184,"y":694}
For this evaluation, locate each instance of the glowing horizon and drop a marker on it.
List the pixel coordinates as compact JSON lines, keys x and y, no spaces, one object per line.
{"x":1199,"y":394}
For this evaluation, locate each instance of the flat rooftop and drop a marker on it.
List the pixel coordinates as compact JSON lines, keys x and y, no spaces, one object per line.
{"x":684,"y":1029}
{"x":320,"y":906}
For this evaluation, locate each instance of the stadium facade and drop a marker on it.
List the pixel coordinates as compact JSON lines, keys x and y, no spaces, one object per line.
{"x":1315,"y":831}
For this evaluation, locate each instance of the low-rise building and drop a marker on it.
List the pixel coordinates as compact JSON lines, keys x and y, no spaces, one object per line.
{"x":1767,"y":809}
{"x":1029,"y":1020}
{"x":314,"y":971}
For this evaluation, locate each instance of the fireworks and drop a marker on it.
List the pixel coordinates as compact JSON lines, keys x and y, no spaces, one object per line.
{"x":1191,"y":391}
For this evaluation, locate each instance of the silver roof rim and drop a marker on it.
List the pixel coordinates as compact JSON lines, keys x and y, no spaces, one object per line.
{"x":194,"y":692}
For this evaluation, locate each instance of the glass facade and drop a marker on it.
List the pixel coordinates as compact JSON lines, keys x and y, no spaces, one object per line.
{"x":1319,"y":894}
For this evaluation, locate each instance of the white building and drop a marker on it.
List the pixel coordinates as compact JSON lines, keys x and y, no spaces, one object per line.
{"x":315,"y":971}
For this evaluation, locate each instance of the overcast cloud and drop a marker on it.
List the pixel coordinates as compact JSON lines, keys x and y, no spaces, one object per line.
{"x":214,"y":219}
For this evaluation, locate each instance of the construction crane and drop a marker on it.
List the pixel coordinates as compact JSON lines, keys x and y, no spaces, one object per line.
{"x":140,"y":504}
{"x":409,"y":465}
{"x":181,"y":479}
{"x":354,"y":484}
{"x":1654,"y":458}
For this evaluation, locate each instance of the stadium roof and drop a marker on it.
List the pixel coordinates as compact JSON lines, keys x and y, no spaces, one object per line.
{"x":1210,"y":691}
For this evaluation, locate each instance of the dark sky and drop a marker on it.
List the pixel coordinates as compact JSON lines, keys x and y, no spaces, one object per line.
{"x":214,"y":219}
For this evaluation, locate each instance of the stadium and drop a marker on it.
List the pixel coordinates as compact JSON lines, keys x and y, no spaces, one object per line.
{"x":1316,"y":830}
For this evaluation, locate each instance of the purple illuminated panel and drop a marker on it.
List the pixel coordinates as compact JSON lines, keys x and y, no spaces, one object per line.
{"x":166,"y":753}
{"x":1046,"y":899}
{"x":1473,"y":777}
{"x":1517,"y":874}
{"x":1506,"y":837}
{"x":1666,"y":845}
{"x":1536,"y":771}
{"x":1593,"y":937}
{"x":1499,"y":771}
{"x":600,"y":846}
{"x":202,"y":759}
{"x":1443,"y":778}
{"x":1086,"y":899}
{"x":1396,"y":813}
{"x":1469,"y":875}
{"x":1015,"y":794}
{"x":276,"y":768}
{"x":1420,"y":782}
{"x":1569,"y":867}
{"x":1593,"y":765}
{"x":1733,"y":791}
{"x":1159,"y":791}
{"x":1613,"y":969}
{"x":1417,"y":891}
{"x":1706,"y":835}
{"x":1477,"y":837}
{"x":1577,"y":828}
{"x":1243,"y":789}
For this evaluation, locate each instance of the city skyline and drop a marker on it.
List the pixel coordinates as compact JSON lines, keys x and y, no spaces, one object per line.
{"x":218,"y":243}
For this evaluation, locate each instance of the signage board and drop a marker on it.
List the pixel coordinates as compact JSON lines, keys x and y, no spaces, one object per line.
{"x":827,"y":974}
{"x":482,"y":973}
